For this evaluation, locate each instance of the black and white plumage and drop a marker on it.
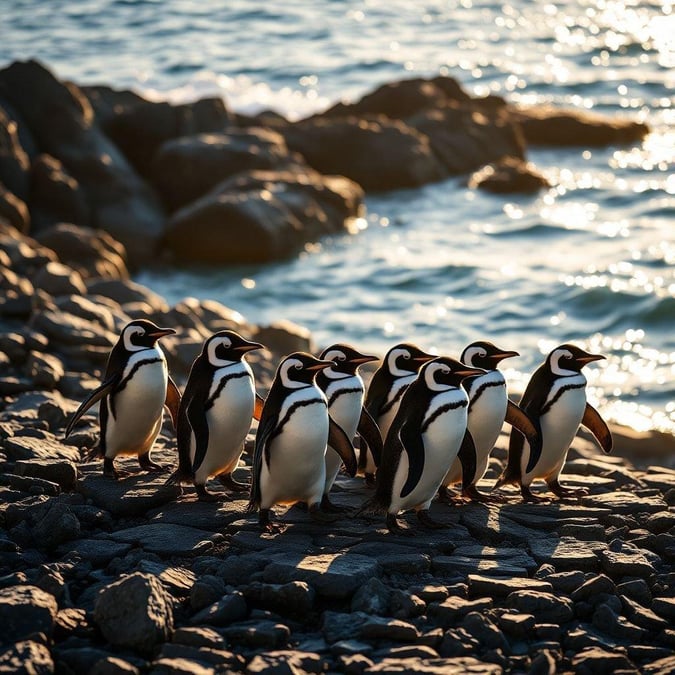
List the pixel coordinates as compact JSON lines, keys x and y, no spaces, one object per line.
{"x":555,"y":400}
{"x":489,"y":408}
{"x":136,"y":386}
{"x":293,"y":432}
{"x":427,"y":433}
{"x":344,"y":389}
{"x":215,"y":414}
{"x":399,"y":368}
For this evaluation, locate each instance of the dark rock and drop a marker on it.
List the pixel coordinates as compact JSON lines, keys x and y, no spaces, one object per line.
{"x":625,"y":503}
{"x":663,"y":666}
{"x":596,"y":661}
{"x":664,"y":607}
{"x":179,"y":667}
{"x":583,"y":532}
{"x":331,"y":575}
{"x":451,"y":611}
{"x":91,"y":253}
{"x":637,"y":589}
{"x":403,"y":604}
{"x":62,"y":121}
{"x":219,"y":658}
{"x":169,"y":540}
{"x":378,"y":153}
{"x":566,"y":553}
{"x":626,"y":563}
{"x":26,"y":256}
{"x":58,"y":279}
{"x":566,"y":582}
{"x":481,"y":628}
{"x":26,"y":658}
{"x":32,"y":485}
{"x":14,"y":210}
{"x":609,"y":622}
{"x":72,"y":621}
{"x":295,"y":598}
{"x":186,"y":168}
{"x":261,"y":216}
{"x":354,"y":664}
{"x":206,"y":590}
{"x":592,"y":587}
{"x":210,"y":516}
{"x":258,"y":634}
{"x":481,"y":586}
{"x":404,"y":563}
{"x":545,"y":125}
{"x":643,"y":616}
{"x":112,"y":665}
{"x":127,"y":292}
{"x":373,"y":597}
{"x":476,"y":559}
{"x":135,"y":612}
{"x":227,"y":610}
{"x":98,"y":551}
{"x":198,"y":636}
{"x":78,"y":659}
{"x":431,"y":593}
{"x":516,"y":624}
{"x":381,"y":628}
{"x":545,"y":606}
{"x":25,"y":610}
{"x":285,"y":662}
{"x":507,"y":176}
{"x":14,"y":161}
{"x":56,"y":526}
{"x":339,"y":626}
{"x":55,"y":196}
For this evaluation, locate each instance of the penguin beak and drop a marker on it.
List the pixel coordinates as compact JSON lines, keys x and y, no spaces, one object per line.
{"x":319,"y":365}
{"x":588,"y":358}
{"x":469,"y":372}
{"x":500,"y":356}
{"x":162,"y":332}
{"x":249,"y":347}
{"x":423,"y":358}
{"x":358,"y":360}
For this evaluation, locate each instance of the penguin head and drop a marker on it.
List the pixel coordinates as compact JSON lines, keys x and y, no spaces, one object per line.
{"x":142,"y":334}
{"x":299,"y":370}
{"x":569,"y":359}
{"x":445,"y":373}
{"x":483,"y":354}
{"x":227,"y":347}
{"x":405,"y":359}
{"x":346,"y":360}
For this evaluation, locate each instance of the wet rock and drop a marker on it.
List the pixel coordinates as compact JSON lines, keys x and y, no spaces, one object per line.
{"x":596,"y":661}
{"x":295,"y":598}
{"x":332,"y":575}
{"x":285,"y":661}
{"x":545,"y":606}
{"x":25,"y":610}
{"x":261,"y":216}
{"x":227,"y":610}
{"x":135,"y":612}
{"x":507,"y":176}
{"x":26,"y":658}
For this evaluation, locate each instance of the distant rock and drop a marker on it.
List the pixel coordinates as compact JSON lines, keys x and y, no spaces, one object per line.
{"x":507,"y":176}
{"x":14,"y":161}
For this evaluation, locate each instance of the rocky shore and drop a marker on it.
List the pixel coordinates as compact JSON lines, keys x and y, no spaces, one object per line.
{"x":131,"y":576}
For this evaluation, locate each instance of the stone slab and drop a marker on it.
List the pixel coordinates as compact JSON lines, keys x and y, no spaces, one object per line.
{"x":164,"y":539}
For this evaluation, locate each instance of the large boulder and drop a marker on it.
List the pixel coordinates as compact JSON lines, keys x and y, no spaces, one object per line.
{"x":186,"y":168}
{"x":14,"y":161}
{"x":262,"y":216}
{"x":378,"y":153}
{"x":62,"y":122}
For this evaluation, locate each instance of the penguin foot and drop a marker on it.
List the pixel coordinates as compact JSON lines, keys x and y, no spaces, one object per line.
{"x":426,"y":520}
{"x":148,"y":465}
{"x":472,"y":494}
{"x":228,"y":481}
{"x":531,"y":498}
{"x":327,"y":506}
{"x":370,"y":479}
{"x":563,"y":492}
{"x":395,"y":527}
{"x":267,"y":525}
{"x":203,"y":495}
{"x":447,"y":497}
{"x":109,"y":470}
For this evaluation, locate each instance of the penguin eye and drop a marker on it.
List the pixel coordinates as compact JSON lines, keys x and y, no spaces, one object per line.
{"x":297,"y":366}
{"x":341,"y":357}
{"x":406,"y":356}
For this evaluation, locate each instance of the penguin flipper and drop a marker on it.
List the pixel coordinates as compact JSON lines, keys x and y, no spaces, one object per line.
{"x":172,"y":401}
{"x":511,"y":473}
{"x":414,"y":447}
{"x":102,"y":390}
{"x":370,"y":434}
{"x":261,"y":450}
{"x":598,"y":427}
{"x":376,"y":395}
{"x":200,"y":427}
{"x":339,"y":441}
{"x":521,"y":421}
{"x":467,"y":457}
{"x":259,"y":403}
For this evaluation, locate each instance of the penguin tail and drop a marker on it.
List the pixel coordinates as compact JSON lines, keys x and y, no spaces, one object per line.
{"x":180,"y":477}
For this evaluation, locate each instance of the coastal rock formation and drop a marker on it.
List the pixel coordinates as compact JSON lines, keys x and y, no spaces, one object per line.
{"x":105,"y":159}
{"x":134,"y":576}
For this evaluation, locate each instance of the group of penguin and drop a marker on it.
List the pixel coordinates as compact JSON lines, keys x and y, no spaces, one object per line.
{"x":425,"y":423}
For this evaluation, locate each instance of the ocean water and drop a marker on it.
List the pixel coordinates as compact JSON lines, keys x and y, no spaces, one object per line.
{"x":591,"y":260}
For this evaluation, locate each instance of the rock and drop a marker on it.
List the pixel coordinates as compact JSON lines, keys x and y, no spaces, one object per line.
{"x":339,"y":626}
{"x":372,"y":598}
{"x":166,"y":539}
{"x":451,"y":611}
{"x":62,"y":121}
{"x":663,"y":666}
{"x":261,"y":216}
{"x":26,"y":658}
{"x":14,"y":160}
{"x":507,"y":176}
{"x":482,"y":586}
{"x":284,"y":337}
{"x":58,"y":279}
{"x":111,"y":665}
{"x":545,"y":125}
{"x":227,"y":610}
{"x":545,"y":606}
{"x":14,"y":210}
{"x":55,"y":196}
{"x":127,"y":292}
{"x":57,"y":525}
{"x":382,"y":628}
{"x":258,"y":634}
{"x":78,"y":659}
{"x":179,"y":667}
{"x":25,"y":610}
{"x":206,"y":590}
{"x":594,"y":586}
{"x":469,"y":559}
{"x":220,"y":659}
{"x":465,"y":665}
{"x":135,"y":612}
{"x":566,"y":553}
{"x":405,"y":563}
{"x":91,"y":253}
{"x":186,"y":168}
{"x":46,"y":370}
{"x":596,"y":661}
{"x":625,"y":503}
{"x":198,"y":636}
{"x":626,"y":563}
{"x":378,"y":153}
{"x":285,"y":661}
{"x":72,"y":621}
{"x":295,"y":598}
{"x":637,"y":589}
{"x":664,"y":607}
{"x":516,"y":624}
{"x":609,"y":622}
{"x":31,"y":448}
{"x":642,"y":616}
{"x":480,"y":627}
{"x":332,"y":575}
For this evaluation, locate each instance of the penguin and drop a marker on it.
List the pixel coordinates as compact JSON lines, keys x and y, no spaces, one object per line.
{"x":289,"y":456}
{"x":344,"y":389}
{"x":489,"y":408}
{"x":135,"y":388}
{"x":555,"y":400}
{"x":215,"y":414}
{"x":399,"y":368}
{"x":425,"y":437}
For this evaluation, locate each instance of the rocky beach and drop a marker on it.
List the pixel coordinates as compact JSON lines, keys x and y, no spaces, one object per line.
{"x":133,"y":576}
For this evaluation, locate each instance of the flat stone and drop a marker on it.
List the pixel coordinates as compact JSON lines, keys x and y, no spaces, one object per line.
{"x":594,"y":532}
{"x":177,"y":580}
{"x":335,"y":575}
{"x":169,"y":540}
{"x":281,"y":662}
{"x":30,"y":448}
{"x":594,"y":586}
{"x":626,"y":563}
{"x":60,"y":471}
{"x":258,"y":634}
{"x":404,"y":563}
{"x":461,"y":665}
{"x":664,"y":607}
{"x":382,"y":628}
{"x":482,"y":586}
{"x":626,"y":502}
{"x":596,"y":660}
{"x":177,"y":666}
{"x":489,"y":525}
{"x":198,"y":636}
{"x":609,"y":622}
{"x":665,"y":666}
{"x":227,"y":610}
{"x":566,"y":553}
{"x":643,"y":616}
{"x":451,"y":611}
{"x":341,"y":626}
{"x":97,"y":551}
{"x":516,"y":624}
{"x":547,"y":607}
{"x":132,"y":495}
{"x":211,"y":516}
{"x":476,"y":559}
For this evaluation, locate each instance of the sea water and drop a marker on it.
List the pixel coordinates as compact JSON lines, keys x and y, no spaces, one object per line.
{"x":589,"y":260}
